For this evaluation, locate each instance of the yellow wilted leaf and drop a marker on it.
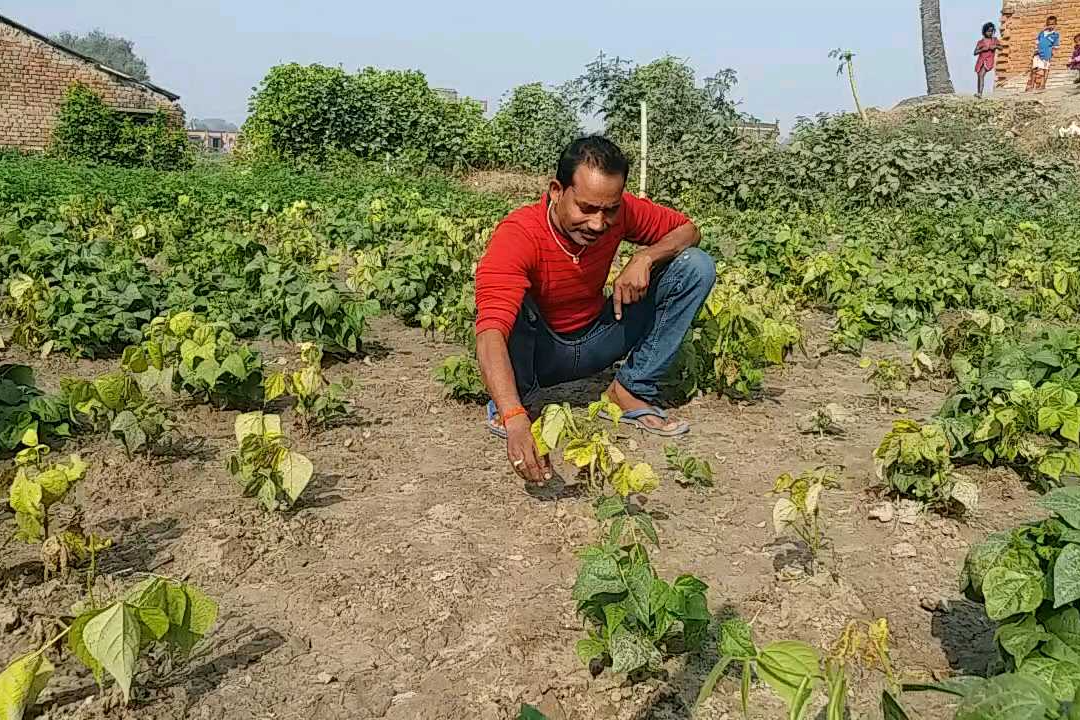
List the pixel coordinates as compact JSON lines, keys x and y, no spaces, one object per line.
{"x":640,"y":478}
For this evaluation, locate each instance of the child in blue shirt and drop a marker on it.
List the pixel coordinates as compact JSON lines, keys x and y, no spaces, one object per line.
{"x":1045,"y":44}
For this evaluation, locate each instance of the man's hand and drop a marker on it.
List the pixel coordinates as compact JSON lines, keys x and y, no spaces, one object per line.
{"x":632,"y":283}
{"x":527,"y":462}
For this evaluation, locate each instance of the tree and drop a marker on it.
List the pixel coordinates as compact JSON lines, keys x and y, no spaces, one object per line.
{"x":935,"y":61}
{"x":532,"y":127}
{"x":847,"y":64}
{"x":111,"y":50}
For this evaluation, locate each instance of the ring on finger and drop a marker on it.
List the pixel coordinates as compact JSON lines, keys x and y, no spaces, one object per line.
{"x":519,"y":463}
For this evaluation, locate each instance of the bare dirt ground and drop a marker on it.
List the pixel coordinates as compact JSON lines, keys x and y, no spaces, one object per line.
{"x":419,"y":580}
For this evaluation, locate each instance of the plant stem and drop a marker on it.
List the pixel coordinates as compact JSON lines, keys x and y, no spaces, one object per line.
{"x":710,"y":681}
{"x":854,"y":90}
{"x":91,"y":574}
{"x":45,"y":536}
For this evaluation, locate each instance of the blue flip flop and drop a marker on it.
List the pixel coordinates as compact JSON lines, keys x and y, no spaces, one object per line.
{"x":632,"y":418}
{"x":493,"y":427}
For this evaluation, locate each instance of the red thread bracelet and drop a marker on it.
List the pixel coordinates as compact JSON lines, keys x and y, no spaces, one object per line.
{"x":513,"y":413}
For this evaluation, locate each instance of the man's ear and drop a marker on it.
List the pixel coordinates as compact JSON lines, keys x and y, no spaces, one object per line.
{"x":555,"y":190}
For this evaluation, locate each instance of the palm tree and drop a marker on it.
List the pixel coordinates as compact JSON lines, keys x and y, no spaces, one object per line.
{"x":847,"y":62}
{"x":935,"y":61}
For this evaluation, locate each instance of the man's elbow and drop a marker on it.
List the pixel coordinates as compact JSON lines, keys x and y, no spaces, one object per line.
{"x":694,"y":233}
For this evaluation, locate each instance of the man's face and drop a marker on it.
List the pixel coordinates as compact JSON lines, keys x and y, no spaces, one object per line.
{"x":1051,"y":23}
{"x":588,"y":208}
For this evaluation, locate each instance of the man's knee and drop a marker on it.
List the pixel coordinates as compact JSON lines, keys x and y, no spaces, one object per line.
{"x":697,"y":268}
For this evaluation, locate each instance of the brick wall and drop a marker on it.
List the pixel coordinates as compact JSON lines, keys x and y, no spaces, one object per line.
{"x":1021,"y":22}
{"x":33,"y":78}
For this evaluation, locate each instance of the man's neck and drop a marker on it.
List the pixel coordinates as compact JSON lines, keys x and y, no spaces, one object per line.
{"x":553,"y":218}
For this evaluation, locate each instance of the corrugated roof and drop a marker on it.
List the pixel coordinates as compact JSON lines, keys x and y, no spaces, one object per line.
{"x":86,"y":58}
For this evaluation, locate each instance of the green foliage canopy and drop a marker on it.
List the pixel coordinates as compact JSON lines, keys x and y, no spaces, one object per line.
{"x":111,"y":50}
{"x":87,"y":130}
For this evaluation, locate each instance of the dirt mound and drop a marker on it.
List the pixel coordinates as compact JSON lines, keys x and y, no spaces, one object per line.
{"x":1034,"y":119}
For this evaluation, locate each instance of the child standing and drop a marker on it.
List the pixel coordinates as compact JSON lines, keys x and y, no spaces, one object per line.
{"x":1047,"y":41}
{"x":986,"y":52}
{"x":1074,"y":63}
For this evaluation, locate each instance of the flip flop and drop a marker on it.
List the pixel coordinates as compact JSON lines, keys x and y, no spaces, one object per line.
{"x":494,"y":426}
{"x":631,"y":418}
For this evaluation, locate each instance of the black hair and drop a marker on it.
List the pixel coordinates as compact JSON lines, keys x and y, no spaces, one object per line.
{"x":1051,"y":17}
{"x":592,"y":151}
{"x":988,"y":26}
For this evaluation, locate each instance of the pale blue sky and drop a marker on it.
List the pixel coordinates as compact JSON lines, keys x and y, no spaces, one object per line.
{"x":212,"y":52}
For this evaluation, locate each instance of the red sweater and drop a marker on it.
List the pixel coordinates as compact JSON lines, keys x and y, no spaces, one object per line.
{"x":522,"y":257}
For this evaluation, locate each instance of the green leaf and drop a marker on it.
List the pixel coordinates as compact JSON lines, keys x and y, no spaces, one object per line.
{"x":202,"y":610}
{"x":1020,"y":639}
{"x":54,"y":484}
{"x":1067,"y":576}
{"x":784,"y":664}
{"x":609,"y":507}
{"x":21,"y":683}
{"x":785,"y":514}
{"x":630,"y":651}
{"x":256,"y":423}
{"x":891,"y":708}
{"x":737,"y":640}
{"x":208,"y":372}
{"x":639,"y":584}
{"x":177,"y":605}
{"x":598,"y":574}
{"x":77,"y":643}
{"x":1009,"y":592}
{"x":112,"y":388}
{"x":126,"y":426}
{"x":1007,"y":697}
{"x":645,"y":524}
{"x":588,"y":649}
{"x":25,"y":499}
{"x":552,"y":424}
{"x":296,"y":471}
{"x":155,"y":620}
{"x":112,"y":638}
{"x":528,"y":712}
{"x":135,"y":359}
{"x":1061,"y":677}
{"x":1065,"y":626}
{"x":234,"y":365}
{"x":1064,"y":502}
{"x":273,"y":386}
{"x":984,"y":556}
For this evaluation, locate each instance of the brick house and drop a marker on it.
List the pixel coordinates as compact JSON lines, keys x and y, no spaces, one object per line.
{"x":1021,"y":22}
{"x":34,"y":74}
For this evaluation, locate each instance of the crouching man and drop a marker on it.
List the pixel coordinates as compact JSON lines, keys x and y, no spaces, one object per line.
{"x":542,"y":318}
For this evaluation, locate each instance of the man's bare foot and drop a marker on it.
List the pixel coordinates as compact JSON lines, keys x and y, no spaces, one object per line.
{"x":628,"y":402}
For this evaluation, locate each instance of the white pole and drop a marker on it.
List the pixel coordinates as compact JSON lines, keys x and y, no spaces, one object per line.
{"x":644,"y":146}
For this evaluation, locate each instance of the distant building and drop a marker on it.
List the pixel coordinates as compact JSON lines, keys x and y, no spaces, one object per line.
{"x":213,"y":134}
{"x":1021,"y":22}
{"x":214,"y":140}
{"x":451,"y":95}
{"x":212,"y":124}
{"x":767,"y":132}
{"x":35,"y":72}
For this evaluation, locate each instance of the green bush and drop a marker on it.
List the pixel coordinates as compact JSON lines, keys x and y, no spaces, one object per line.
{"x":532,"y":127}
{"x":306,"y":114}
{"x":840,"y":162}
{"x":87,"y":130}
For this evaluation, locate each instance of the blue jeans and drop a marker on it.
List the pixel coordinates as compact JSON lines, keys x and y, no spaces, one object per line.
{"x":648,"y":336}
